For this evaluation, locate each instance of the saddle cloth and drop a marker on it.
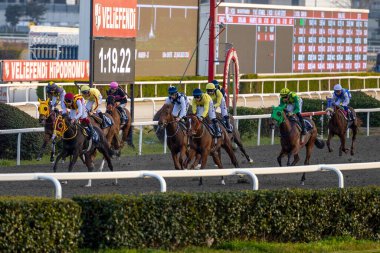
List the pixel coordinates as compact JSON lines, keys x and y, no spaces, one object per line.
{"x":308,"y":124}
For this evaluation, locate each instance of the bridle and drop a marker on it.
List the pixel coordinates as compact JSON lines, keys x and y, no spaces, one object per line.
{"x":191,"y":133}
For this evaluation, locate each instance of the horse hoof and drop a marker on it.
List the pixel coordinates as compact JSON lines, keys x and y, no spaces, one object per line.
{"x":302,"y":182}
{"x":250,"y":161}
{"x":216,"y":165}
{"x":51,"y":159}
{"x":197,"y":167}
{"x":38,"y":159}
{"x":222,"y":182}
{"x":87,"y":185}
{"x":64,"y":182}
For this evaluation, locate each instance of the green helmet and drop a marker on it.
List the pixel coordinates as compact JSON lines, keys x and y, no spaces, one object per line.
{"x":284,"y":92}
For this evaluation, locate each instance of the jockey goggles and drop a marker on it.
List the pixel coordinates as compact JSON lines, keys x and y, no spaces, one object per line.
{"x":196,"y":97}
{"x":68,"y":100}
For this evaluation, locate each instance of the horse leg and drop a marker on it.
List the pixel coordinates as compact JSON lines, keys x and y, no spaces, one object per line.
{"x":228,"y":148}
{"x":328,"y":141}
{"x":175,"y":158}
{"x":57,"y":160}
{"x":295,"y":160}
{"x":239,"y":143}
{"x":90,"y":166}
{"x":107,"y":157}
{"x":342,"y":147}
{"x":288,"y":162}
{"x":188,"y":159}
{"x":218,"y":162}
{"x":204,"y":157}
{"x":73,"y":160}
{"x":354,"y":132}
{"x":52,"y":153}
{"x":282,"y":153}
{"x":43,"y":147}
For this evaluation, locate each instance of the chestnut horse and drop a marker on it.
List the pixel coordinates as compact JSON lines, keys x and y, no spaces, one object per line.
{"x":235,"y":135}
{"x":46,"y":118}
{"x":76,"y":144}
{"x":175,"y":134}
{"x":203,"y":144}
{"x":290,"y":133}
{"x":125,"y":128}
{"x":338,"y":125}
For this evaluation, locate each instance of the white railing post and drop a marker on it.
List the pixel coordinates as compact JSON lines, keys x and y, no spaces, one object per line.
{"x":255,"y":180}
{"x":272,"y":137}
{"x":368,"y":123}
{"x":338,"y":173}
{"x":140,"y":139}
{"x":165,"y":141}
{"x":162,"y":181}
{"x":18,"y":149}
{"x":259,"y":132}
{"x":57,"y":184}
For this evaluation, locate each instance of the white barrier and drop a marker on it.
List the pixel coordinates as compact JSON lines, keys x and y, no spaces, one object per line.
{"x":161,"y":174}
{"x":141,"y":125}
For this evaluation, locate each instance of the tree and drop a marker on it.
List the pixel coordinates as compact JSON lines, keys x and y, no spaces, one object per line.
{"x":35,"y":9}
{"x":13,"y":14}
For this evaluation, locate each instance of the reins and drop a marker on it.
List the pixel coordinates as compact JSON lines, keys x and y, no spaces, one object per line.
{"x":70,"y":138}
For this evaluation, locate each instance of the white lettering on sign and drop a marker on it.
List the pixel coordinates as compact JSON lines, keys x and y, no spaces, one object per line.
{"x":118,"y":18}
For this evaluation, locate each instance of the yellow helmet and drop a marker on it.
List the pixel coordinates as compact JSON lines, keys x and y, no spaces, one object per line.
{"x":85,"y":89}
{"x":210,"y":86}
{"x":284,"y":92}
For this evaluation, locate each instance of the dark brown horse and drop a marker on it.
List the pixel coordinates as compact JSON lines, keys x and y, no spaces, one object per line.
{"x":125,"y":128}
{"x":76,"y":144}
{"x":290,"y":133}
{"x":338,"y":125}
{"x":46,"y":119}
{"x":235,"y":136}
{"x":175,"y":134}
{"x":202,"y":144}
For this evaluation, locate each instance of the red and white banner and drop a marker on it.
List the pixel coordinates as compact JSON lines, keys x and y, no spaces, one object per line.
{"x":41,"y":70}
{"x":116,"y":18}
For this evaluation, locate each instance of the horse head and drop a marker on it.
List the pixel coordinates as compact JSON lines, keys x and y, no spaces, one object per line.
{"x":193,"y":124}
{"x":44,"y":110}
{"x":111,"y":103}
{"x":330,"y":107}
{"x":166,"y":116}
{"x":278,"y":115}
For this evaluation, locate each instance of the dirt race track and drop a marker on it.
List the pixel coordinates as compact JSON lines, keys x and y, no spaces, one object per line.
{"x":264,"y":156}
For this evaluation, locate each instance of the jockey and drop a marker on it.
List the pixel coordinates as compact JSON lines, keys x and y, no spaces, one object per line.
{"x":120,"y":98}
{"x":203,"y":106}
{"x":179,"y":101}
{"x":219,"y":101}
{"x":341,"y":98}
{"x":217,"y":86}
{"x":76,"y":104}
{"x":93,"y":98}
{"x":293,"y":104}
{"x":55,"y":93}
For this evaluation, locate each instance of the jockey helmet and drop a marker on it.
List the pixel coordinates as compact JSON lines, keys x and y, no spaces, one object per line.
{"x":172,"y":90}
{"x":51,"y":87}
{"x":197,"y":92}
{"x":85,"y":89}
{"x":338,"y":87}
{"x":210,"y":86}
{"x":114,"y":85}
{"x":284,"y":92}
{"x":69,"y":97}
{"x":216,"y":83}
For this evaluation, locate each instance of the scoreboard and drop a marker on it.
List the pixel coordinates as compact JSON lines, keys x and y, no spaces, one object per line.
{"x":286,"y":39}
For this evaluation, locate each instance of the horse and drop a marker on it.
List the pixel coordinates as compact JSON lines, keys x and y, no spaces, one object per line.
{"x":235,"y":135}
{"x":338,"y":125}
{"x":203,"y":144}
{"x":76,"y":144}
{"x":125,"y":128}
{"x":290,"y":133}
{"x":177,"y":138}
{"x":46,"y":119}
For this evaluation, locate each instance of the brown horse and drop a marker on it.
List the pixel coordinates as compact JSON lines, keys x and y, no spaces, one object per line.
{"x":47,"y":118}
{"x":338,"y":125}
{"x":235,"y":135}
{"x":76,"y":144}
{"x":290,"y":133}
{"x":125,"y":128}
{"x":176,"y":135}
{"x":203,"y":144}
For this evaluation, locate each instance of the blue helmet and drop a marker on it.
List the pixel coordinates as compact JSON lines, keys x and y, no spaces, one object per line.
{"x":172,"y":90}
{"x":216,"y":83}
{"x":197,"y":92}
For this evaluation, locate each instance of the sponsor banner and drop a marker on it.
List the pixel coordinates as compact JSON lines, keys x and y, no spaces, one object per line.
{"x":115,"y":18}
{"x":41,"y":70}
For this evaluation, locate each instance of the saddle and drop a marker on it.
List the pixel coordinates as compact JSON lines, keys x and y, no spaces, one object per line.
{"x":308,"y":124}
{"x":230,"y":130}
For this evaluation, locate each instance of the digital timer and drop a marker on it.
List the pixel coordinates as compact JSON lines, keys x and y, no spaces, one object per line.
{"x":114,"y":59}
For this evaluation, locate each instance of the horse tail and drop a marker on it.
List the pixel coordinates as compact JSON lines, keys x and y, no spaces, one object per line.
{"x":319,"y":143}
{"x":130,"y":138}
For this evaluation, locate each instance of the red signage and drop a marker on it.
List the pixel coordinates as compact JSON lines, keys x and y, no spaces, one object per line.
{"x":40,"y":70}
{"x":115,"y":18}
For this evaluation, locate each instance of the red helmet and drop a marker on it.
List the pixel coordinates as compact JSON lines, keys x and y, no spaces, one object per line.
{"x":69,"y":97}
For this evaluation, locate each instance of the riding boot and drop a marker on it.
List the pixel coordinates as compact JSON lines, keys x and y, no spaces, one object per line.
{"x":103,"y":124}
{"x":93,"y":134}
{"x":228,"y":125}
{"x":302,"y":122}
{"x":122,"y":115}
{"x":216,"y":128}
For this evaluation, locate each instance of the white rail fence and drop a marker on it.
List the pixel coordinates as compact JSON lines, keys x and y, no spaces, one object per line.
{"x":141,"y":125}
{"x":161,"y":175}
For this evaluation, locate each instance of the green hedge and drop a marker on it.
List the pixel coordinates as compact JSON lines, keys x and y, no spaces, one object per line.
{"x":176,"y":220}
{"x":14,"y":118}
{"x":39,"y":225}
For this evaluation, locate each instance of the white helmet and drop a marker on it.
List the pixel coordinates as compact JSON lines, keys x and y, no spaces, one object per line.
{"x":338,"y":87}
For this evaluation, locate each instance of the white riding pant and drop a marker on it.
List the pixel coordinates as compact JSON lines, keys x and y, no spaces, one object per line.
{"x":223,"y":108}
{"x":90,"y":103}
{"x":211,"y":111}
{"x":290,"y":107}
{"x":73,"y":113}
{"x":177,"y":109}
